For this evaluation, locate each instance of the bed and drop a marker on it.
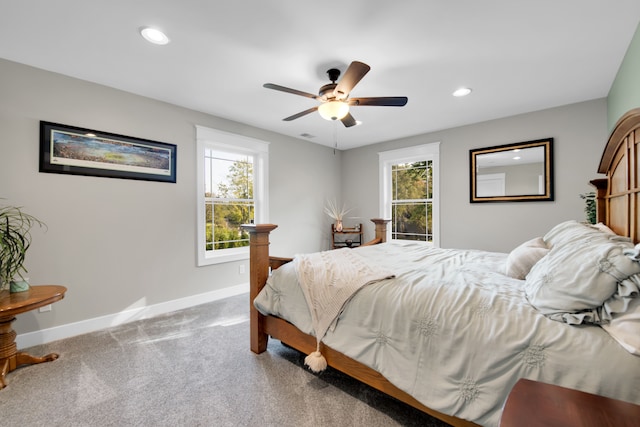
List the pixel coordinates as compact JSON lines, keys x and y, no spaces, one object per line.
{"x":451,"y":331}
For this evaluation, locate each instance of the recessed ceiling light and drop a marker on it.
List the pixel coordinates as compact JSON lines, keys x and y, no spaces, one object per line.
{"x":153,"y":35}
{"x":463,"y":91}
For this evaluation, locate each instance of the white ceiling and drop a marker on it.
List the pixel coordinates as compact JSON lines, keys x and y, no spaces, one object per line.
{"x":518,"y":56}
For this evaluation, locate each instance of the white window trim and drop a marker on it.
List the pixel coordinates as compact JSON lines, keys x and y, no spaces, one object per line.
{"x":207,"y":137}
{"x":408,"y":155}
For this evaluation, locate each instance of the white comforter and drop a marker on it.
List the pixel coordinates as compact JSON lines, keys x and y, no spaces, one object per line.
{"x":456,"y":333}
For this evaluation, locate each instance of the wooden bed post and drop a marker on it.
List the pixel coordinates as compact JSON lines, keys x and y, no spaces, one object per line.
{"x":258,"y":274}
{"x":381,"y":228}
{"x":601,"y":186}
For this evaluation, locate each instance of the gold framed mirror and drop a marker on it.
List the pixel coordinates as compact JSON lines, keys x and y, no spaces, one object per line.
{"x":520,"y":172}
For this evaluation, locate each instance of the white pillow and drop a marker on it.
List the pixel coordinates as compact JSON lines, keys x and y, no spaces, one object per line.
{"x":600,"y":226}
{"x":572,"y":231}
{"x":625,"y":327}
{"x":585,"y":277}
{"x":522,"y":258}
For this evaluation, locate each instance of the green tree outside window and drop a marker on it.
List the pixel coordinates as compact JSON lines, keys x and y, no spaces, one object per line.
{"x":412,"y":201}
{"x":228,"y":201}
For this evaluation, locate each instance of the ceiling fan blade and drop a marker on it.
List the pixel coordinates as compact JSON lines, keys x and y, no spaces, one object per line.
{"x":348,"y":120}
{"x":289,"y":90}
{"x":300,"y":114}
{"x":355,"y":72}
{"x":384,"y":101}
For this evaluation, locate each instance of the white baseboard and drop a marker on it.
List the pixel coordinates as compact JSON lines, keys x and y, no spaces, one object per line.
{"x":44,"y":336}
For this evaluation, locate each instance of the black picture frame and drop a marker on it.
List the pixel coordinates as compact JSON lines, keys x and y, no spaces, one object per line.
{"x":74,"y":150}
{"x":505,"y":159}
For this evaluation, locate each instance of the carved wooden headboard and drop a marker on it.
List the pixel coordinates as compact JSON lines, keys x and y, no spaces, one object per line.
{"x":618,"y":195}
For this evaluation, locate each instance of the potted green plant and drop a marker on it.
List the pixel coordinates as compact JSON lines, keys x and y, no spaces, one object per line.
{"x":15,"y":239}
{"x":589,"y":206}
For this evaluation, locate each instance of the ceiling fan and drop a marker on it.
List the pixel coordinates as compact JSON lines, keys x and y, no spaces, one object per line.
{"x":334,"y":97}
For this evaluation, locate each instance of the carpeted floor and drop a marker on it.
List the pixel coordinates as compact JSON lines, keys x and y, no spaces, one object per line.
{"x":189,"y":368}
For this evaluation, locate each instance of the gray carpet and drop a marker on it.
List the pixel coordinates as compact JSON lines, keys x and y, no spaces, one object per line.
{"x":189,"y":368}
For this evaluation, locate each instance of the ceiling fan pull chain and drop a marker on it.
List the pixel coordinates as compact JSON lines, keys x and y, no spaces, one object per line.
{"x":335,"y":136}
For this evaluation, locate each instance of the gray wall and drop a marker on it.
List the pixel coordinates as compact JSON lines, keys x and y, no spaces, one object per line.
{"x":122,"y":244}
{"x":579,"y":133}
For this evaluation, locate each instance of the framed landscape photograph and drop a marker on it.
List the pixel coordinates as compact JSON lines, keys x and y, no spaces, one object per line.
{"x":78,"y":151}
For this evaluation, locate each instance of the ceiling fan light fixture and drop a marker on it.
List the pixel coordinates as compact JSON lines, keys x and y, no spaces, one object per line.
{"x":333,"y":110}
{"x":334,"y":101}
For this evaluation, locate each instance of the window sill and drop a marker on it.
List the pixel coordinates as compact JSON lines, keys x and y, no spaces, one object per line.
{"x":230,"y":255}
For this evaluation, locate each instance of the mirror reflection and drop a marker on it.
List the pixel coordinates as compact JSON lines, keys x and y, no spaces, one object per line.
{"x":514,"y":172}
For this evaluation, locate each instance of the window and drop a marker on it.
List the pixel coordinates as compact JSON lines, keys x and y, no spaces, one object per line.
{"x":412,"y":201}
{"x":232,"y":187}
{"x":409,"y":192}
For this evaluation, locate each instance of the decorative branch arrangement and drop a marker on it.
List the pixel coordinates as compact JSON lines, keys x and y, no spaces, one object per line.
{"x":336,"y":213}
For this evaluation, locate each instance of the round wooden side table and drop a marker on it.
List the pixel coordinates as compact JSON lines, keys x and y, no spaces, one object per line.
{"x":12,"y":304}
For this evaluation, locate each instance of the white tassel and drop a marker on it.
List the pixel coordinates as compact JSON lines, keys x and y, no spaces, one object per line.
{"x":316,"y":361}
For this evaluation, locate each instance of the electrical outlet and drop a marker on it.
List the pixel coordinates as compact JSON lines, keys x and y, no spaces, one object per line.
{"x":45,"y":308}
{"x":241,"y":269}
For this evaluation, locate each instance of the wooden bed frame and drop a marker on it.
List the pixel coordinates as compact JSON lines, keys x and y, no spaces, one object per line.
{"x":618,"y":195}
{"x":618,"y":200}
{"x":263,"y":327}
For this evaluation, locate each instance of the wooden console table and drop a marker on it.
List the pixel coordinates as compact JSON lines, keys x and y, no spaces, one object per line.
{"x":536,"y":404}
{"x":12,"y":304}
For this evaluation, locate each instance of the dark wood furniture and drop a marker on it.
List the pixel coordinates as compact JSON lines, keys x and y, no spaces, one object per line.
{"x":618,"y":199}
{"x":12,"y":304}
{"x":347,"y":237}
{"x":536,"y":404}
